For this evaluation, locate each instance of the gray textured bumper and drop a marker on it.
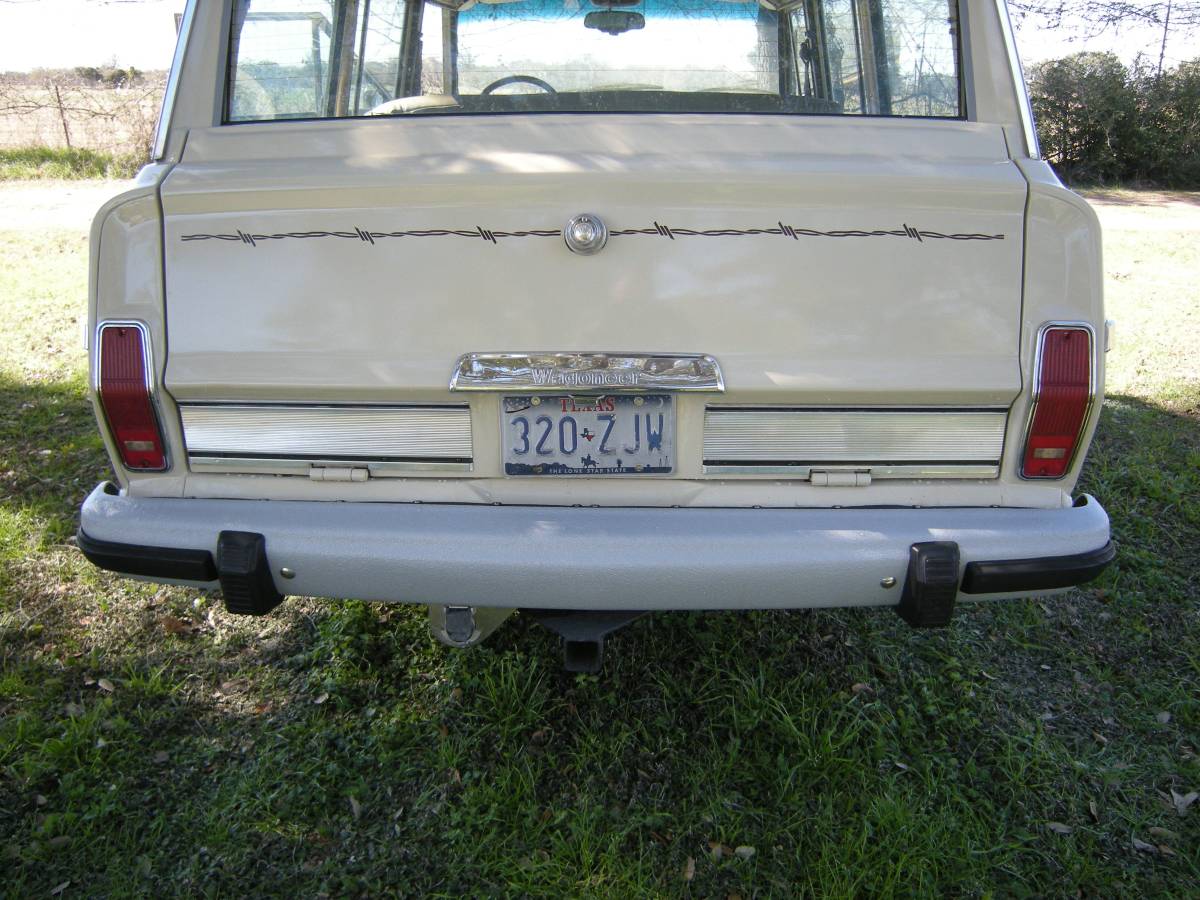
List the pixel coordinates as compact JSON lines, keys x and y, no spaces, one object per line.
{"x":589,"y":558}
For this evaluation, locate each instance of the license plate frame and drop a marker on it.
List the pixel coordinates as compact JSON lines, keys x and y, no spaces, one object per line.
{"x":539,"y":446}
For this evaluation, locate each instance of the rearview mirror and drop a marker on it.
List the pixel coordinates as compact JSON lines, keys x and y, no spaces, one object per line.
{"x":614,"y":21}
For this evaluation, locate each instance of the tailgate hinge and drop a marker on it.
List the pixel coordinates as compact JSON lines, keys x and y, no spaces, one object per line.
{"x":338,"y":473}
{"x":839,"y":478}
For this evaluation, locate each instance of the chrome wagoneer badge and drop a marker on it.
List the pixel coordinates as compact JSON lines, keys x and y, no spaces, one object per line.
{"x":587,"y":372}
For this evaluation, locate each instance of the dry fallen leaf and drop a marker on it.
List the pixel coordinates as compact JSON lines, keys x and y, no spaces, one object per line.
{"x":105,"y":685}
{"x":40,"y":800}
{"x":718,"y":850}
{"x":355,"y":808}
{"x":59,"y":888}
{"x":1165,"y":833}
{"x":1183,"y":801}
{"x":161,"y":757}
{"x":1092,"y":808}
{"x":861,"y":687}
{"x":1163,"y":718}
{"x":1059,"y":828}
{"x":172,"y":625}
{"x":689,"y":869}
{"x":745,"y":851}
{"x":321,"y":698}
{"x":57,"y":843}
{"x":1144,"y":847}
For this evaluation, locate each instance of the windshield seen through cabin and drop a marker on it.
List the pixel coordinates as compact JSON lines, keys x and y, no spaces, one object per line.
{"x":335,"y":58}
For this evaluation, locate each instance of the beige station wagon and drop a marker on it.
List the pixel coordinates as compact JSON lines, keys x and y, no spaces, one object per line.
{"x":589,"y":308}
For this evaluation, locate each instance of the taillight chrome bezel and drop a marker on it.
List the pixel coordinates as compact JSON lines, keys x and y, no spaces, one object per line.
{"x":151,"y":392}
{"x":1036,"y":395}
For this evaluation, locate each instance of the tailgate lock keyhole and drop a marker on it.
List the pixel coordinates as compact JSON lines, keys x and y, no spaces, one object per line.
{"x":585,"y":234}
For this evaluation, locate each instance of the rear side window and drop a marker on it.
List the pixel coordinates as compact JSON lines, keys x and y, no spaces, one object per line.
{"x":336,"y":58}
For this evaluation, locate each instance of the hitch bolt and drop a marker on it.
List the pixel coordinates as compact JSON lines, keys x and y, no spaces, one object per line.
{"x":287,"y":573}
{"x":888,"y":582}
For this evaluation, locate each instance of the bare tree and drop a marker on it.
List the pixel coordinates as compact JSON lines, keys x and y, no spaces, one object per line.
{"x":1092,"y":17}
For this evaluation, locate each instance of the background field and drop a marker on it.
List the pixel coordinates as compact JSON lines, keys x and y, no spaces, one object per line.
{"x":151,"y":744}
{"x":109,"y":109}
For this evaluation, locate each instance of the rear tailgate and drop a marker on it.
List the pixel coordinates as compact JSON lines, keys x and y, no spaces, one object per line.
{"x":819,"y":261}
{"x":824,"y":263}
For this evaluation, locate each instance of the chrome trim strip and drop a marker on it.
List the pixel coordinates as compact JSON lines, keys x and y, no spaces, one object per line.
{"x":587,"y":372}
{"x":260,"y":466}
{"x":168,"y":101}
{"x":815,"y":437}
{"x":876,"y":472}
{"x":1024,"y":106}
{"x":1093,"y":394}
{"x":151,"y":389}
{"x":279,"y":432}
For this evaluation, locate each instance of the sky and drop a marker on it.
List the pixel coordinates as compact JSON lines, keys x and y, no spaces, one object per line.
{"x":141,"y":33}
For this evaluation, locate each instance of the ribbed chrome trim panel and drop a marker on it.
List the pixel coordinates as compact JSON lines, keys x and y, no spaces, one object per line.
{"x":257,"y":465}
{"x":802,"y":473}
{"x":346,"y":433}
{"x":935,"y":437}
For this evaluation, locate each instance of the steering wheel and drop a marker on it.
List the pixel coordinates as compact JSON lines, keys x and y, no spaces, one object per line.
{"x":518,"y":79}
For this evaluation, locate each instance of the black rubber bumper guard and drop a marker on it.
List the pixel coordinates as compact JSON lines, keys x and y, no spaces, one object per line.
{"x":930,"y":587}
{"x":241,"y":566}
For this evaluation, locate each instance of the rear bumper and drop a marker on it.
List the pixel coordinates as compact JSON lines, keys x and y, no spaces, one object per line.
{"x":598,"y":558}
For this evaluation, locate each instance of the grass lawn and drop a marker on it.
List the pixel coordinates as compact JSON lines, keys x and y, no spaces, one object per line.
{"x":67,"y":163}
{"x":152,"y":744}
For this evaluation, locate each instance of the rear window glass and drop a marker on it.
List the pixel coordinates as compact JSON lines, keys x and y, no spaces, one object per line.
{"x":335,"y":58}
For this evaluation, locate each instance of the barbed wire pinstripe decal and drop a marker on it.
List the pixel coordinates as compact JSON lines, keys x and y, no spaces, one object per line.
{"x":657,"y":229}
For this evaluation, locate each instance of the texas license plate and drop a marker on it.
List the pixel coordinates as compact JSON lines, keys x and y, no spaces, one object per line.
{"x":617,"y":434}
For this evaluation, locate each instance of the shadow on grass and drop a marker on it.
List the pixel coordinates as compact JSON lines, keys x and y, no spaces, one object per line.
{"x":50,"y":452}
{"x":1128,"y":196}
{"x":149,"y":743}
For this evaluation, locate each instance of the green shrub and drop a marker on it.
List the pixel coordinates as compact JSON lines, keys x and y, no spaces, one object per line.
{"x":1101,"y":123}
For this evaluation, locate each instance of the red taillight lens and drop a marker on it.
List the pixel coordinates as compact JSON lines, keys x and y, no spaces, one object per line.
{"x":1064,"y":380}
{"x":124,"y":390}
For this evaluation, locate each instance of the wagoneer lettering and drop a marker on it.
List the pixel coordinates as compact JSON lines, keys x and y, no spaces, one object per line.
{"x":584,"y":379}
{"x":354,"y":324}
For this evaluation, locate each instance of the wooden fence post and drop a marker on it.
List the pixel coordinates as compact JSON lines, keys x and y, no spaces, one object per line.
{"x":62,"y":114}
